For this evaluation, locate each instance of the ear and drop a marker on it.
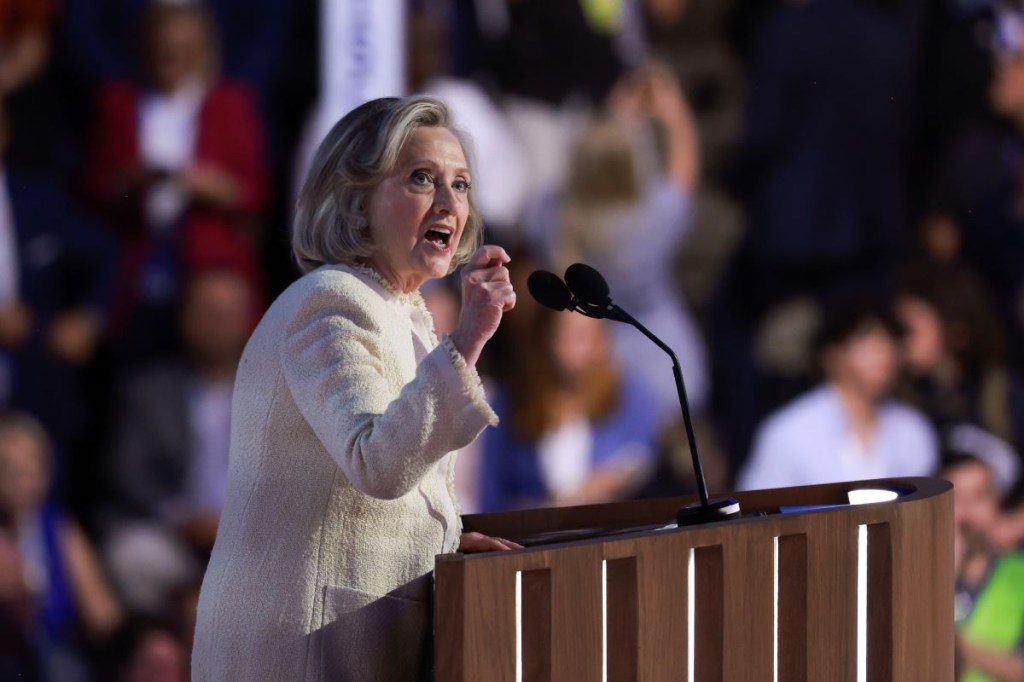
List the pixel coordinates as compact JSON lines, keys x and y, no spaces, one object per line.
{"x":359,"y":209}
{"x":361,"y":203}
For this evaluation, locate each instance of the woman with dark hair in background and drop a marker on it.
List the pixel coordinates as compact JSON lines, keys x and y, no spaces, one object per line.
{"x":575,"y":428}
{"x":957,"y":374}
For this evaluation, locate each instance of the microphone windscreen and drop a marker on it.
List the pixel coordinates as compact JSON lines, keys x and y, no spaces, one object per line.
{"x":548,"y":290}
{"x":587,"y":284}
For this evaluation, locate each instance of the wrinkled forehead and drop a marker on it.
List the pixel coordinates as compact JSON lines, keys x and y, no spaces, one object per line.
{"x":437,"y":145}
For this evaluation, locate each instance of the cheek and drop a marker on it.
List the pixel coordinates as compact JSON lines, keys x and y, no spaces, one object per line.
{"x":462,"y":218}
{"x":924,"y":343}
{"x":396,"y":216}
{"x":877,"y":362}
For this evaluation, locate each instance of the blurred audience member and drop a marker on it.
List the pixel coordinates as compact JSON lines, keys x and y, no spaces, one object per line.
{"x":28,"y":93}
{"x":553,"y":62}
{"x":57,"y":272}
{"x":957,"y":375}
{"x":178,"y":161}
{"x":822,"y":172}
{"x":103,"y":36}
{"x":152,"y":651}
{"x":575,"y":429}
{"x":978,"y":187}
{"x":824,"y":154}
{"x":169,"y":461}
{"x":24,"y":41}
{"x":51,"y":585}
{"x":989,"y":601}
{"x":848,"y":428}
{"x":625,"y":211}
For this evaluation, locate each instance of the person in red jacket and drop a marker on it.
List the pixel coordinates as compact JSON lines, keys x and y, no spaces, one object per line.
{"x":178,"y":161}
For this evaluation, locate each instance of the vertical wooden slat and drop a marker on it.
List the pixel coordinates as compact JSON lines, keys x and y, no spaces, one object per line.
{"x":880,"y":632}
{"x":662,"y":593}
{"x":923,"y":591}
{"x":708,"y":631}
{"x":792,"y":606}
{"x":748,"y":608}
{"x":909,"y":545}
{"x":576,"y":617}
{"x":490,"y":628}
{"x":832,"y":600}
{"x":535,"y":623}
{"x":622,"y":619}
{"x":449,"y":632}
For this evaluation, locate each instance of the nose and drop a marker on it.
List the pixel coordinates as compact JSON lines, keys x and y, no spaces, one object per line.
{"x":444,"y":199}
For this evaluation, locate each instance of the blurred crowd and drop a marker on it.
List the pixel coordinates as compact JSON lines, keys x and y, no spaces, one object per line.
{"x":818,"y":204}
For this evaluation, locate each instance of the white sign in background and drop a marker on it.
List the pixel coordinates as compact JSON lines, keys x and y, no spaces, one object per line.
{"x":362,"y":57}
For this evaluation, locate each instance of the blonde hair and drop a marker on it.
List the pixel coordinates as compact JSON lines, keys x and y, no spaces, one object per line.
{"x":608,"y":168}
{"x":361,"y":150}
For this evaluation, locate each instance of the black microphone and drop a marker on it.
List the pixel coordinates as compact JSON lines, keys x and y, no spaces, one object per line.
{"x":549,"y":290}
{"x":588,"y":293}
{"x":588,"y":284}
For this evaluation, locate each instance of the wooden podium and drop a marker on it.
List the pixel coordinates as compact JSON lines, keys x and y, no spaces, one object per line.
{"x":801,"y":594}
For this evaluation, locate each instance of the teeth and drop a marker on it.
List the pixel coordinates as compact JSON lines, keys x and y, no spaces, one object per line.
{"x":444,"y":235}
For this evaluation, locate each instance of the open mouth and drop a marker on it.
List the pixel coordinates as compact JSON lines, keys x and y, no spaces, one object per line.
{"x":440,"y":237}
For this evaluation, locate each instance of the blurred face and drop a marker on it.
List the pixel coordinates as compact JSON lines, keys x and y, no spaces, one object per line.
{"x":159,"y":658}
{"x":179,"y":51}
{"x":23,"y":473}
{"x":940,"y":237}
{"x":867,"y":362}
{"x":974,"y":499}
{"x":578,"y":343}
{"x":923,"y":346}
{"x":418,"y":213}
{"x":216,"y":317}
{"x":1007,"y":89}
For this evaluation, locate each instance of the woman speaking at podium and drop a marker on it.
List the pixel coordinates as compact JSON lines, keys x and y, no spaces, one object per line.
{"x":348,"y":411}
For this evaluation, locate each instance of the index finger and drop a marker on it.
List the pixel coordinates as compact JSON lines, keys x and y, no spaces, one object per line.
{"x":487,"y":256}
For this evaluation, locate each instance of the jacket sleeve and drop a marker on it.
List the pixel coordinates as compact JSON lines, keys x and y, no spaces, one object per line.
{"x":383,"y":441}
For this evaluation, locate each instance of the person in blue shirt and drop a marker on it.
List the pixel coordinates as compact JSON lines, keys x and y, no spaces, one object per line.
{"x":574,"y":428}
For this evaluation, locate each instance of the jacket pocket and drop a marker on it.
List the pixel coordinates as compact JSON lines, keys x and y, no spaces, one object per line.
{"x":370,"y":637}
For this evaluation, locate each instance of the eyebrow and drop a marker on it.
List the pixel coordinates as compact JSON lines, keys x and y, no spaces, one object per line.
{"x":428,"y":162}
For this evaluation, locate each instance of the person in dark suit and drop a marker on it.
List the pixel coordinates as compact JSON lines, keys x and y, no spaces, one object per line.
{"x":57,"y":284}
{"x":169,"y":456}
{"x":822,"y":173}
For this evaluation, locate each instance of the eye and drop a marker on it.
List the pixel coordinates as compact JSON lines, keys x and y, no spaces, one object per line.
{"x":461,"y":186}
{"x":421,"y":178}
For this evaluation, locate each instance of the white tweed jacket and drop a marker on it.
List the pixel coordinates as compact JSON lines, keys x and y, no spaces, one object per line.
{"x":346,"y":417}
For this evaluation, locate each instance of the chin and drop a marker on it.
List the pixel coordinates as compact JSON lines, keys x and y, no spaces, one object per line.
{"x":439,"y":267}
